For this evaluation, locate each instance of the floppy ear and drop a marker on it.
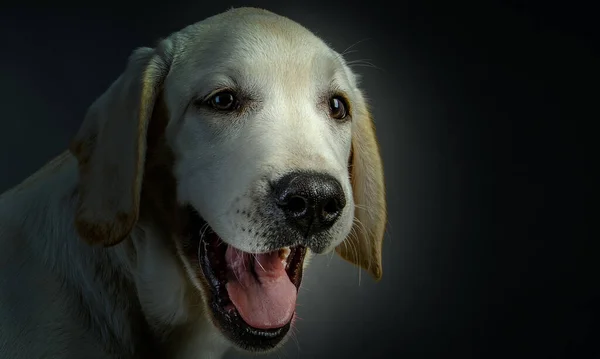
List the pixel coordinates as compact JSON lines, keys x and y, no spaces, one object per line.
{"x":363,"y":245}
{"x":110,"y":147}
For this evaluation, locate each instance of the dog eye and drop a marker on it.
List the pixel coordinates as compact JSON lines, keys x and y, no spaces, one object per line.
{"x":338,"y":108}
{"x":223,"y":101}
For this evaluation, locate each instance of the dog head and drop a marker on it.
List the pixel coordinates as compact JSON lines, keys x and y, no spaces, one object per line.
{"x":260,"y":138}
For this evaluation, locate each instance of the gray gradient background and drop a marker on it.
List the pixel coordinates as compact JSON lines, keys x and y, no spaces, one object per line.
{"x":478,"y":111}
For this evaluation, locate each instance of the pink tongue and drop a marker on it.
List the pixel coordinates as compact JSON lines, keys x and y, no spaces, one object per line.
{"x":266,"y":300}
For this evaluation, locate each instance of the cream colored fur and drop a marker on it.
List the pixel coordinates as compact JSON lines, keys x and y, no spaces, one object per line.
{"x":83,"y":275}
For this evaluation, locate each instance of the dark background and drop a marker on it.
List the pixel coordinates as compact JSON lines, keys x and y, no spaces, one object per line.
{"x":483,"y":113}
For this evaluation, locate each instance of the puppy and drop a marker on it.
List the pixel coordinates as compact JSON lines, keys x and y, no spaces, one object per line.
{"x":179,"y":223}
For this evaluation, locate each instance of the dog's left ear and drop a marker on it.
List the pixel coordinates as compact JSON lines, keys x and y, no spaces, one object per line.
{"x":111,"y":148}
{"x":363,"y":245}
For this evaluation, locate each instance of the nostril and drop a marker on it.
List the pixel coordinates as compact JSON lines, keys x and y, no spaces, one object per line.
{"x":296,"y":205}
{"x":331,"y":207}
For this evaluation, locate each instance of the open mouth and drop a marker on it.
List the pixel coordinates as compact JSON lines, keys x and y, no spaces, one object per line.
{"x":253,"y":295}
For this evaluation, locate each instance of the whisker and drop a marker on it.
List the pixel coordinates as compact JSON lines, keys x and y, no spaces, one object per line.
{"x":331,"y":255}
{"x":364,"y":63}
{"x":303,"y":287}
{"x":352,"y":245}
{"x":367,"y":65}
{"x":294,"y":336}
{"x":203,"y":230}
{"x":361,"y":226}
{"x":238,"y":278}
{"x":257,"y":261}
{"x":362,"y":208}
{"x":354,"y":44}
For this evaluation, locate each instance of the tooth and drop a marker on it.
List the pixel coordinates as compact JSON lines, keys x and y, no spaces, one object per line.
{"x":283,"y":254}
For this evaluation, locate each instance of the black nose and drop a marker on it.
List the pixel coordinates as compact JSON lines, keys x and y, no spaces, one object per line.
{"x":311,"y":202}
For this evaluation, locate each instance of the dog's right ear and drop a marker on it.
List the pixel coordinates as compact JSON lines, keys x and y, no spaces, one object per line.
{"x":110,"y":147}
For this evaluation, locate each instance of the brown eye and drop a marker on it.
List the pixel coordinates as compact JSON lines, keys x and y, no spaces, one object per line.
{"x":338,"y":108}
{"x":223,"y":101}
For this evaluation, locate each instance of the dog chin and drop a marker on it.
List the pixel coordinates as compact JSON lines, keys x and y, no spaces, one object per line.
{"x":251,"y":296}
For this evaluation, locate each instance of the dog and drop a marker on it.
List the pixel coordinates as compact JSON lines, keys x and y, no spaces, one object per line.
{"x":179,"y":222}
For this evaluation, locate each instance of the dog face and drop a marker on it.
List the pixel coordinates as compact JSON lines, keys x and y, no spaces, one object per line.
{"x":273,"y":155}
{"x":263,"y":125}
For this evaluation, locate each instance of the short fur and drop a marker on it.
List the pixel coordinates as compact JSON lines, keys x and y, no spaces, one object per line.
{"x":92,"y":263}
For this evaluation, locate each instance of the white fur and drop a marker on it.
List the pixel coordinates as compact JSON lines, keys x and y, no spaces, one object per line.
{"x":63,"y":298}
{"x":288,"y":70}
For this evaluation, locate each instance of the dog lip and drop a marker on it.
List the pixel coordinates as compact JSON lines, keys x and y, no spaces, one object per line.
{"x":224,"y":314}
{"x":229,"y":320}
{"x":216,"y":285}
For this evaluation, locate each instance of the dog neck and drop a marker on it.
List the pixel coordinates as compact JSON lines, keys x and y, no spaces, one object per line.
{"x":134,"y":298}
